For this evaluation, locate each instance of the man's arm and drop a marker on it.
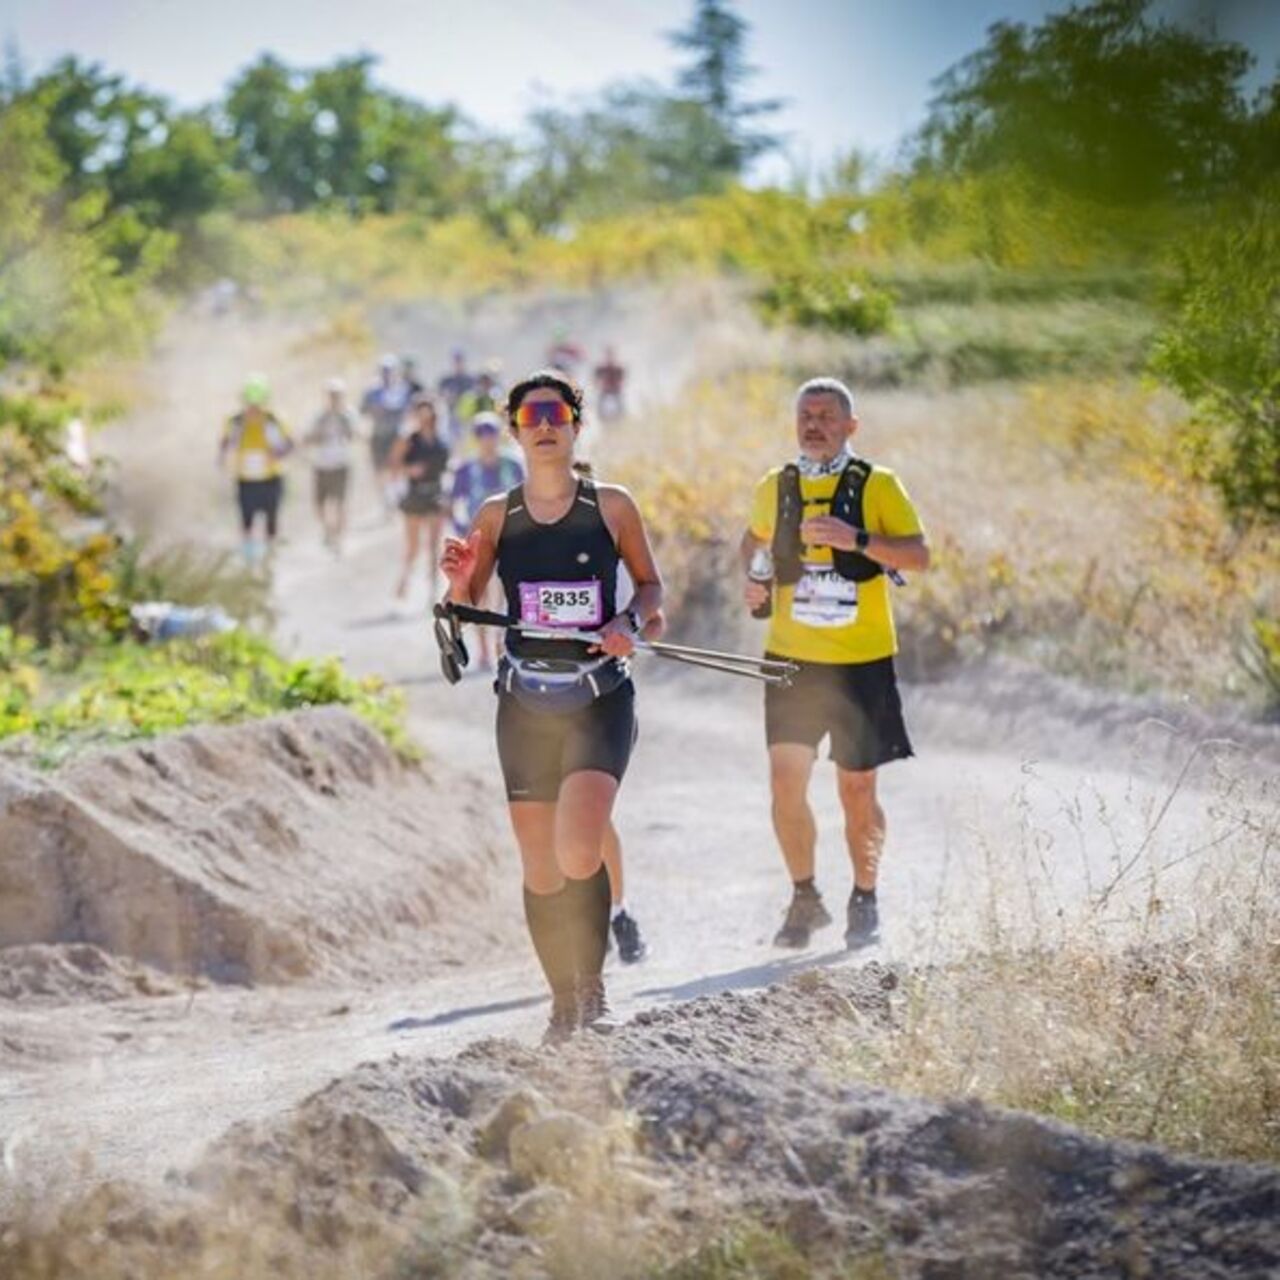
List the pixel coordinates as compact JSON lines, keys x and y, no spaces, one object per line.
{"x":909,"y":552}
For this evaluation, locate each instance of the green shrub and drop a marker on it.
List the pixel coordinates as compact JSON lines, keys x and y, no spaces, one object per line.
{"x":131,"y":691}
{"x":1221,"y":350}
{"x":840,"y":300}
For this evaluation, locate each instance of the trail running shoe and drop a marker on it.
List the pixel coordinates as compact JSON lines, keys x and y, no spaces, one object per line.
{"x":593,"y":1006}
{"x":862,"y":921}
{"x":626,"y":932}
{"x":564,"y":1017}
{"x":805,"y":914}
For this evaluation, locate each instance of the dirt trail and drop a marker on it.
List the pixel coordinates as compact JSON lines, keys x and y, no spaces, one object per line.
{"x":1025,"y":829}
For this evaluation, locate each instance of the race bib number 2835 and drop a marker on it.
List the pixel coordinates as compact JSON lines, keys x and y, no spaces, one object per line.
{"x":561,"y":604}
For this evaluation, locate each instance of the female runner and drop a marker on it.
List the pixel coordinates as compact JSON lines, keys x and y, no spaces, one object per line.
{"x":566,"y":710}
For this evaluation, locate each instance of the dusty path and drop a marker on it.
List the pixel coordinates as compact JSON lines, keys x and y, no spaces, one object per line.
{"x":141,"y":1086}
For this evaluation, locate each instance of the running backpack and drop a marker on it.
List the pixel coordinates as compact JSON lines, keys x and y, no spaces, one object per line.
{"x":846,"y":505}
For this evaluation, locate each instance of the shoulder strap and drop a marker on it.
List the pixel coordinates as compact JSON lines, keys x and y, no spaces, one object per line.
{"x":847,"y":505}
{"x":787,"y":565}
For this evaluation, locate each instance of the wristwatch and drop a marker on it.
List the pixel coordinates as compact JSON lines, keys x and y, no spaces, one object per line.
{"x":862,"y":539}
{"x":633,"y":618}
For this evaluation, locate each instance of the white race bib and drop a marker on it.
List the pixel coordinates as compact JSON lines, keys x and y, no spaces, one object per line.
{"x":562,"y":604}
{"x":254,"y":464}
{"x":824,"y":599}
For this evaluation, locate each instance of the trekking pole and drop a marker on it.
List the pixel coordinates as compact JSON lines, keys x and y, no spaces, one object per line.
{"x":768,"y":670}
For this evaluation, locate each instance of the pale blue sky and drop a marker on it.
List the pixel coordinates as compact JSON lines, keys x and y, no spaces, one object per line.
{"x":856,"y":72}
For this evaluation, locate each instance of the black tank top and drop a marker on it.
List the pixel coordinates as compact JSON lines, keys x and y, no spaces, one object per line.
{"x":563,"y":573}
{"x":434,"y":453}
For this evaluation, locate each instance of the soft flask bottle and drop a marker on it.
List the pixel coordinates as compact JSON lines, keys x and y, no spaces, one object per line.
{"x":761,"y":571}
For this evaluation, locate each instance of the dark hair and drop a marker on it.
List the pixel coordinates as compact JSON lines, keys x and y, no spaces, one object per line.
{"x":551,"y":378}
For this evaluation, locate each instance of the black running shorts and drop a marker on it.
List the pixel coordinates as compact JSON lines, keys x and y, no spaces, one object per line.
{"x":539,"y":749}
{"x":857,"y":704}
{"x":260,"y":497}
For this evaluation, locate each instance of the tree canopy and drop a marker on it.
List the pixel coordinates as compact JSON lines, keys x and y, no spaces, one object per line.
{"x":1102,"y":99}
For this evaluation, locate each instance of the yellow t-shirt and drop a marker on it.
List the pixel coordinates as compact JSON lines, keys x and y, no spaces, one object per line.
{"x":259,"y":441}
{"x":824,"y":618}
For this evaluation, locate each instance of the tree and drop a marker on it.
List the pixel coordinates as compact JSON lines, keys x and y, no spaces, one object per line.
{"x":127,"y":143}
{"x":716,"y":37}
{"x":64,"y":292}
{"x":333,"y":137}
{"x":1221,"y":350}
{"x":633,"y":146}
{"x":1099,"y":99}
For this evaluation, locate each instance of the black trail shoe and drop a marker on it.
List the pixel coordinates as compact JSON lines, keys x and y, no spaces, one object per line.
{"x":626,"y":932}
{"x":593,"y":1006}
{"x":564,"y":1017}
{"x":862,"y":921}
{"x":805,"y":914}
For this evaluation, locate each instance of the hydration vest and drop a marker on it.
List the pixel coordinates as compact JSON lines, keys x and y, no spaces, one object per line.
{"x":846,"y":505}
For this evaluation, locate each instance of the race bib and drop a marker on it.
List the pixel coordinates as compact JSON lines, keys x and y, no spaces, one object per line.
{"x":823,"y":598}
{"x":561,"y":604}
{"x":254,"y":464}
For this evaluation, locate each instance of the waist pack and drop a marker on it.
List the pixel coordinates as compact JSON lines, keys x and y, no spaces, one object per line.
{"x":560,"y":685}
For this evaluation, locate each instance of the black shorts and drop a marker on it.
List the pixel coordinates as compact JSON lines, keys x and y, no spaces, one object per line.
{"x":856,"y":703}
{"x":539,"y":749}
{"x":260,"y":497}
{"x":422,"y":502}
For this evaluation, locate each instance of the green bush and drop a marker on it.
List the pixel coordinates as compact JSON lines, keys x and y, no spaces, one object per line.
{"x":131,"y":691}
{"x":1221,"y":350}
{"x":840,"y":300}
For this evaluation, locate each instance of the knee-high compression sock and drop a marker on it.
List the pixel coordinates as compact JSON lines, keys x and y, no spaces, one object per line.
{"x":589,"y":912}
{"x":550,"y":927}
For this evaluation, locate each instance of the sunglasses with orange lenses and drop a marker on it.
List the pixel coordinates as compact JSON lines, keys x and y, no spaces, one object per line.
{"x":552,"y":413}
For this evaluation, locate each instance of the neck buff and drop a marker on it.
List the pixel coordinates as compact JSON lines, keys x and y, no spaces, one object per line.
{"x":808,"y":467}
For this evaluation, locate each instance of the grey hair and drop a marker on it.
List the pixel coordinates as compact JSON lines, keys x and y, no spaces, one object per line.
{"x":827,"y":387}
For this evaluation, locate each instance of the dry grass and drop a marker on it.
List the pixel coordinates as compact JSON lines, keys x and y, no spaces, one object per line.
{"x":1150,"y":1012}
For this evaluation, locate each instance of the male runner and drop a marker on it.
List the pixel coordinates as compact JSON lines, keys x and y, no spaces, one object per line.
{"x":832,"y":524}
{"x":254,"y":444}
{"x":610,"y":377}
{"x":328,"y":445}
{"x":385,"y":404}
{"x":475,"y":481}
{"x":451,"y":387}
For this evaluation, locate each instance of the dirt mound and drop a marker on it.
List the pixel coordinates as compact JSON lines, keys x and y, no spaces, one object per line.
{"x":699,"y":1128}
{"x":262,"y":852}
{"x":75,"y":972}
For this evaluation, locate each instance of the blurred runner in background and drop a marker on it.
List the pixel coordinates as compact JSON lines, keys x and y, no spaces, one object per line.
{"x":421,"y":457}
{"x":610,"y":376}
{"x":409,"y":372}
{"x":565,"y":354}
{"x":483,"y":396}
{"x":328,"y":445}
{"x":385,"y":404}
{"x":451,"y":388}
{"x":253,"y":445}
{"x":474,"y":481}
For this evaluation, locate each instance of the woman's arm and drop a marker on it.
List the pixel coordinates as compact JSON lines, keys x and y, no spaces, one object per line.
{"x":468,"y":563}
